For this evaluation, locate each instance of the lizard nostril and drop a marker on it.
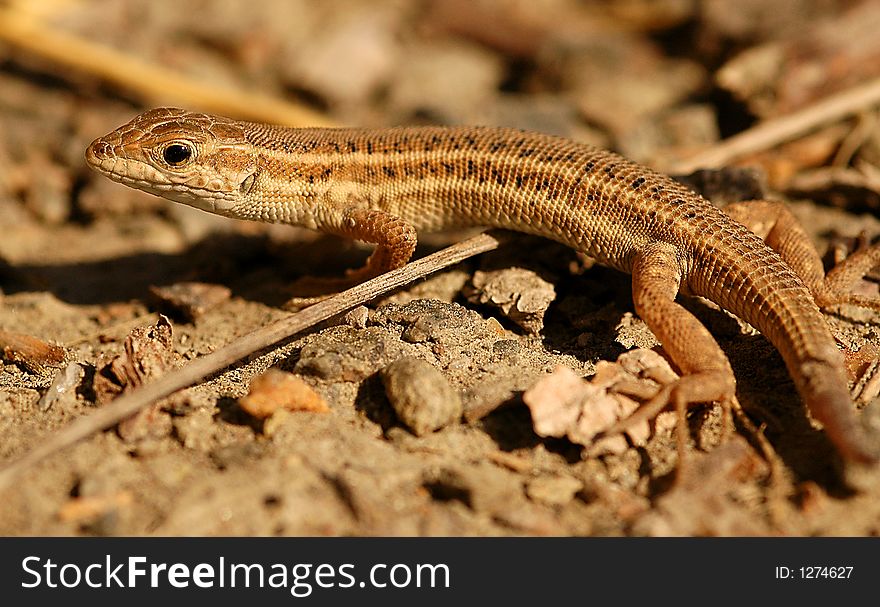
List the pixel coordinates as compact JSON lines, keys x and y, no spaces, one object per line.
{"x":99,"y":150}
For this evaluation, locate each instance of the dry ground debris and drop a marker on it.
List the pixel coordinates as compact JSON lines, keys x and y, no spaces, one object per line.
{"x":494,"y":431}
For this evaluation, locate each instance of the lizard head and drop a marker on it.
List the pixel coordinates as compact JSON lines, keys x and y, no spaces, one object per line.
{"x":196,"y":159}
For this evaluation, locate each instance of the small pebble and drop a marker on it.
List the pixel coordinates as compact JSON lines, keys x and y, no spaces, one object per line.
{"x":420,"y":395}
{"x":63,"y":386}
{"x":84,"y":509}
{"x":553,"y":490}
{"x":357,"y":317}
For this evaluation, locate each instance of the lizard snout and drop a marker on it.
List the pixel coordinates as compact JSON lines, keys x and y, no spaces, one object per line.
{"x":98,"y":152}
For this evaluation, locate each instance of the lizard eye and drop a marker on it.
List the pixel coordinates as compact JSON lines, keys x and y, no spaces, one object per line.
{"x":177,"y":154}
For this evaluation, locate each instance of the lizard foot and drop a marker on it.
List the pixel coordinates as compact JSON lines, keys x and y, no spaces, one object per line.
{"x":683,"y":393}
{"x":840,"y":280}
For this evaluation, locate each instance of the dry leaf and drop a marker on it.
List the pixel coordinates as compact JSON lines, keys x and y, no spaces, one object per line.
{"x":563,"y":404}
{"x":277,"y":389}
{"x":520,"y":294}
{"x":148,"y":353}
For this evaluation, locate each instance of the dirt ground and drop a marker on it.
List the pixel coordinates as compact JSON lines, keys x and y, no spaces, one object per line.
{"x":81,"y":258}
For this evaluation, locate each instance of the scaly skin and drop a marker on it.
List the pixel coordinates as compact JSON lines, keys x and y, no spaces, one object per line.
{"x":383,"y":185}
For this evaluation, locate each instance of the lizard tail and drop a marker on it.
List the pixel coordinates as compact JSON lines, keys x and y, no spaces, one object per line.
{"x":783,"y":309}
{"x":817,"y":368}
{"x":822,"y":384}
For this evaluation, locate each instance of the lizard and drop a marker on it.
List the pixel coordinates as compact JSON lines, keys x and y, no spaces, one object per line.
{"x":384,"y":185}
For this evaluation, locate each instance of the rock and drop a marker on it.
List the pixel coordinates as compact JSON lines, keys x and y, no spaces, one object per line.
{"x":420,"y":395}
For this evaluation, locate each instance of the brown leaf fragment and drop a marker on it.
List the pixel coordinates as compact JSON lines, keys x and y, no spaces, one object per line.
{"x":563,"y":404}
{"x":520,"y":294}
{"x":864,"y":367}
{"x":857,"y":363}
{"x":34,"y":354}
{"x":85,"y":510}
{"x":191,"y":299}
{"x":147,"y":354}
{"x":276,"y":389}
{"x":117,"y":312}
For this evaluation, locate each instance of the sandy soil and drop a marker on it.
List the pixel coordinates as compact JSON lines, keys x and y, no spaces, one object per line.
{"x":79,"y":255}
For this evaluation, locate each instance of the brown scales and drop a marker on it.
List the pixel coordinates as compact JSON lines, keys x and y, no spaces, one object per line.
{"x":382,"y":185}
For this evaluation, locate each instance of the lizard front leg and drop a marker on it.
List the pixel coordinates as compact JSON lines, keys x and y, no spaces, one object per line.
{"x":395,"y":241}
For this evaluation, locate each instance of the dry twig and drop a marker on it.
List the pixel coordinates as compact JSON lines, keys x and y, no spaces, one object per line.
{"x":156,"y":84}
{"x":260,"y":339}
{"x":785,"y":128}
